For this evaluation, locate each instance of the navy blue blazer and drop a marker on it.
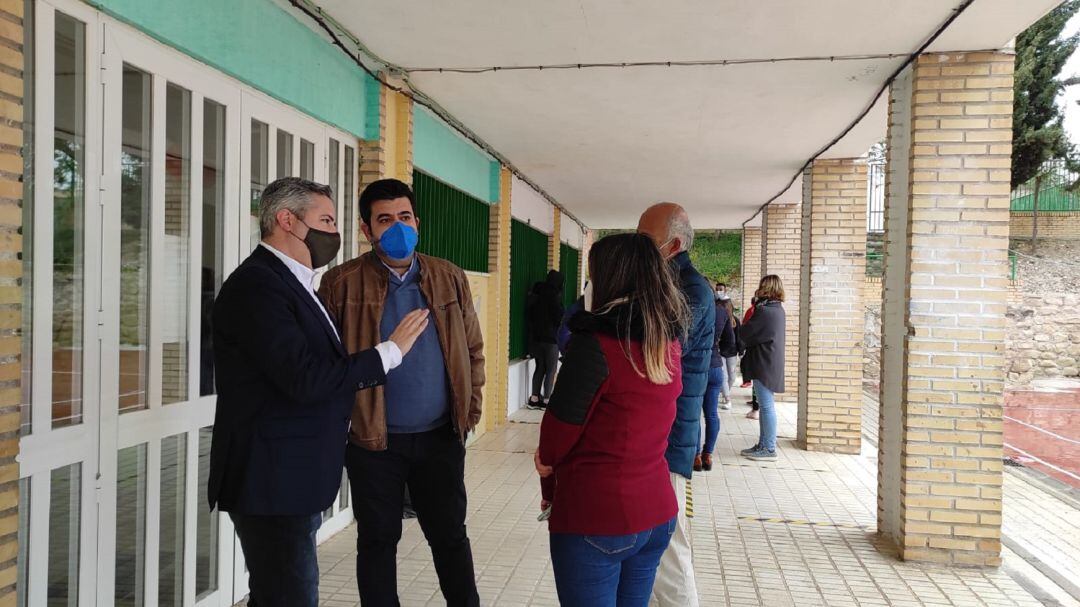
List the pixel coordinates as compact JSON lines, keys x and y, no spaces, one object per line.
{"x":285,"y":387}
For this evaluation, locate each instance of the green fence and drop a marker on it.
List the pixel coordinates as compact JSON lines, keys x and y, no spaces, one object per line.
{"x":528,"y":264}
{"x":570,"y":266}
{"x":1054,"y":194}
{"x":453,"y":224}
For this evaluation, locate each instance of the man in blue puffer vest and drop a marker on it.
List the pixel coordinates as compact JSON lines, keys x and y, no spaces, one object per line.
{"x":669,"y":226}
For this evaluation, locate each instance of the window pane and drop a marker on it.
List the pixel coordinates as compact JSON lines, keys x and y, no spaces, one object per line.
{"x":27,"y":221}
{"x":307,"y":159}
{"x":213,"y":232}
{"x":260,"y":154}
{"x":24,"y":542}
{"x":69,"y":139}
{"x":206,"y":525}
{"x":135,"y":240}
{"x":176,"y":257}
{"x":334,"y":195}
{"x":131,"y":526}
{"x":173,"y":495}
{"x":348,"y":192}
{"x":284,"y":155}
{"x":64,"y":516}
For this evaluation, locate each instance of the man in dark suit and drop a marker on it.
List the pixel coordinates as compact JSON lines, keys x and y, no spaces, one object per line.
{"x":285,"y":392}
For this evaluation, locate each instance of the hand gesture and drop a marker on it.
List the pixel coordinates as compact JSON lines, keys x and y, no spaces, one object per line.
{"x":409,"y":329}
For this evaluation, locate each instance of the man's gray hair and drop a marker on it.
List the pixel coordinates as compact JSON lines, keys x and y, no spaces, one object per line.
{"x":287,"y":194}
{"x":680,"y":228}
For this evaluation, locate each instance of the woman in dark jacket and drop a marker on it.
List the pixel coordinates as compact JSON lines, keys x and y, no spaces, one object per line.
{"x":717,"y":388}
{"x":543,"y":314}
{"x":763,"y":336}
{"x":604,"y":477}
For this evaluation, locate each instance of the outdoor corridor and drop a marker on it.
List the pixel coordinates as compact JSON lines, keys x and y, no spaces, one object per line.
{"x":799,"y":531}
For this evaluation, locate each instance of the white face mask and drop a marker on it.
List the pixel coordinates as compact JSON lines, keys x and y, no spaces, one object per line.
{"x":587,"y":297}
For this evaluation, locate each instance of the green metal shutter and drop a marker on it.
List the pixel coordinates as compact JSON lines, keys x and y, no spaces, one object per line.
{"x":570,"y":266}
{"x":528,"y":264}
{"x":453,"y":224}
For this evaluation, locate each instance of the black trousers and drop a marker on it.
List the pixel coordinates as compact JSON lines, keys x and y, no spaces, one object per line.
{"x":547,"y":360}
{"x":281,"y":558}
{"x":432,"y":466}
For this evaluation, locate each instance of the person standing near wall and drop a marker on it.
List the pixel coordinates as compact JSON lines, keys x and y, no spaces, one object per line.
{"x":412,"y":432}
{"x":764,"y":337}
{"x":669,"y":227}
{"x":543,"y":313}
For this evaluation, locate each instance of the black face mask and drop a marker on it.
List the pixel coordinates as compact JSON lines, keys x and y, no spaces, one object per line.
{"x":322,"y":245}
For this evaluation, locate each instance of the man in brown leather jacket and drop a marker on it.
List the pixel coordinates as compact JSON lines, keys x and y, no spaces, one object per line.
{"x":410,"y":432}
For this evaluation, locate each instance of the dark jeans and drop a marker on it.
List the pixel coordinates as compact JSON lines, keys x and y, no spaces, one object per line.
{"x":547,"y":359}
{"x":608,"y":570}
{"x":432,"y":466}
{"x":708,"y":406}
{"x":281,"y":558}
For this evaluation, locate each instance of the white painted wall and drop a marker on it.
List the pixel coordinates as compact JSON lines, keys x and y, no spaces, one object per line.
{"x":519,"y":385}
{"x":529,"y":206}
{"x":571,"y":233}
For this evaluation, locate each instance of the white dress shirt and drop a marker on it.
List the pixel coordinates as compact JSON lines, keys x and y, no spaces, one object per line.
{"x":388,"y":350}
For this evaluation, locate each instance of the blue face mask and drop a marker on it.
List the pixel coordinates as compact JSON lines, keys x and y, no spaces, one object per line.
{"x":399,"y":241}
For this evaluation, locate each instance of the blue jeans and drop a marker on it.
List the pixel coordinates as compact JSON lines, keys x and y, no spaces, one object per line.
{"x":766,"y":401}
{"x":717,"y":385}
{"x":281,"y":559}
{"x":608,"y":570}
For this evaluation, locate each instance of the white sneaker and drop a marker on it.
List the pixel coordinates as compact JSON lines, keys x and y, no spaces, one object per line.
{"x":725,"y":404}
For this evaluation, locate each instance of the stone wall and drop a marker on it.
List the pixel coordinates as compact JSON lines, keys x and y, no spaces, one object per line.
{"x":1043,"y":340}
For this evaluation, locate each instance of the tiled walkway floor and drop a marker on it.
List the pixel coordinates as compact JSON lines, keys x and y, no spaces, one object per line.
{"x":795,"y":532}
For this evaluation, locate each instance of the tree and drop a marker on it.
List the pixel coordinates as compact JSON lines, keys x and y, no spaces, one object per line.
{"x":1038,"y":133}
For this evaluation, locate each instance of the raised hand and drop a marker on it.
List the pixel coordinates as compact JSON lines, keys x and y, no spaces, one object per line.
{"x":409,"y":329}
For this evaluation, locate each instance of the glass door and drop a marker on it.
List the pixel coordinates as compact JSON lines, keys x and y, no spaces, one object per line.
{"x":165,"y":251}
{"x":59,"y":461}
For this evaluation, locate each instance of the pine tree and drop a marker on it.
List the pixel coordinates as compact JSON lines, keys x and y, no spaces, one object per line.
{"x":1041,"y":53}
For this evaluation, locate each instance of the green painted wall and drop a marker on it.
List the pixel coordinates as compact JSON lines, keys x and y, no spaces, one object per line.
{"x":259,"y":43}
{"x":442,"y":153}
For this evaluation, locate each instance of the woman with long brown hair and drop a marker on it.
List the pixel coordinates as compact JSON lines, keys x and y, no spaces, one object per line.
{"x":605,"y":481}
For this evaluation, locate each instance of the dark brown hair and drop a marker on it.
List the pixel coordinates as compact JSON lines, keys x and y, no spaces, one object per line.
{"x":627,"y":269}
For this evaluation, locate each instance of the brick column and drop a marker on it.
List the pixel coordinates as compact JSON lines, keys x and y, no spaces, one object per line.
{"x":831,"y":305}
{"x":11,"y":245}
{"x":497,"y":344}
{"x":945,"y":290}
{"x":781,"y":253}
{"x":555,"y":240}
{"x":391,"y":154}
{"x":751,"y":264}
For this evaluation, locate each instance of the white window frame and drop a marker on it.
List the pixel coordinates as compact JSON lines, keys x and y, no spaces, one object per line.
{"x":95,"y":442}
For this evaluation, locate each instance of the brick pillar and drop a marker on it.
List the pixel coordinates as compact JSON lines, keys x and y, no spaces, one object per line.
{"x":11,"y":243}
{"x":555,"y":240}
{"x":831,"y":303}
{"x":751,"y":264}
{"x":497,"y":344}
{"x":781,"y":253}
{"x":945,"y":291}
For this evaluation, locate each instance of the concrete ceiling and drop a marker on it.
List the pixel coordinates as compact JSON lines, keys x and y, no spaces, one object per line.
{"x":721,"y":140}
